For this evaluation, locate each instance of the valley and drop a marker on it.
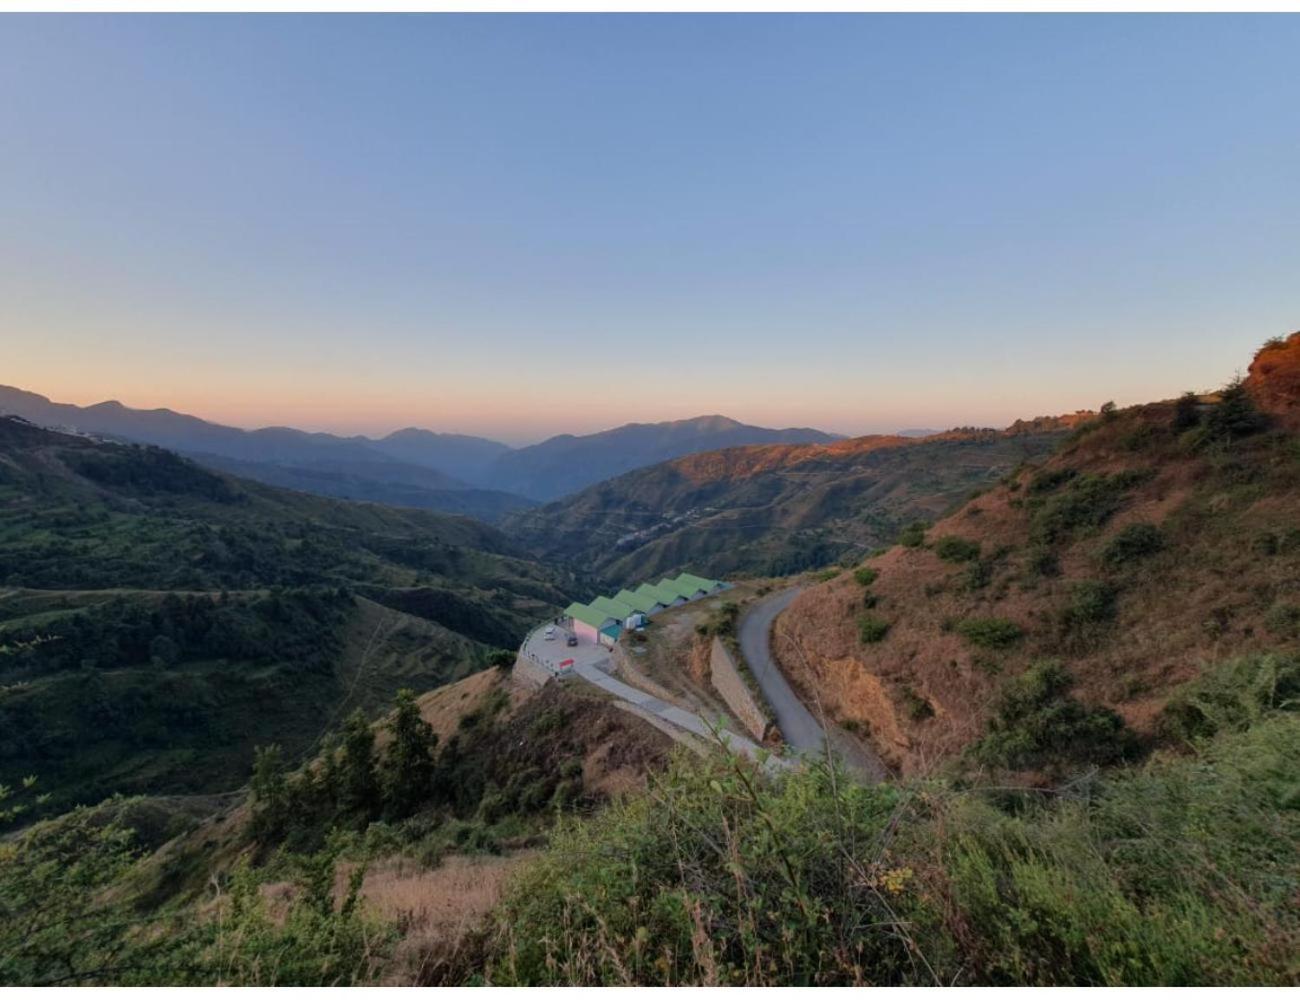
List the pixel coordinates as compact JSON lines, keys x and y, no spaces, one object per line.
{"x":308,"y":716}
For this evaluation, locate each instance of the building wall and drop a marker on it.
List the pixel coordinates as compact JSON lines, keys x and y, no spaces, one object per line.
{"x":584,"y":631}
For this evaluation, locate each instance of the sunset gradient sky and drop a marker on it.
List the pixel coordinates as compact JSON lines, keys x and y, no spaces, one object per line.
{"x":521,"y":225}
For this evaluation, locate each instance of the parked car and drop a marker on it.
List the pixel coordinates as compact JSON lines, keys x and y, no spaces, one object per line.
{"x":550,"y":632}
{"x":571,"y":641}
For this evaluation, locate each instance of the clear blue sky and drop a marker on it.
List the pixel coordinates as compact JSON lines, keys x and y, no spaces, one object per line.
{"x":519,"y":225}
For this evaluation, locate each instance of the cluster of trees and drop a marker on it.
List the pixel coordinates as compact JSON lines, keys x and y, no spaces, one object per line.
{"x":354,"y":784}
{"x":487,"y":771}
{"x":293,"y":626}
{"x":147,"y":469}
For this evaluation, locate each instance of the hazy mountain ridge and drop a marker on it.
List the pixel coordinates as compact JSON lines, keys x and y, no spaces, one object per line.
{"x":492,"y":478}
{"x":567,"y":463}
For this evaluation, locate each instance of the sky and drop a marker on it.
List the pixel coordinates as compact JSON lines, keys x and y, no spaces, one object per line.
{"x":521,"y":225}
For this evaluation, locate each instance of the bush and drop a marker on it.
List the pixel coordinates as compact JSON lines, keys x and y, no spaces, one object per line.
{"x":1048,"y":480}
{"x":1232,"y":696}
{"x":978,"y":575}
{"x":865,"y":575}
{"x":1036,"y":723}
{"x":1283,"y":620}
{"x":989,"y":633}
{"x":952,"y":548}
{"x":913,"y":536}
{"x":918,"y":709}
{"x":872,"y":628}
{"x":1091,"y":601}
{"x":1187,"y":412}
{"x":1043,"y":562}
{"x":1133,"y":542}
{"x":1235,"y":416}
{"x":1086,"y":504}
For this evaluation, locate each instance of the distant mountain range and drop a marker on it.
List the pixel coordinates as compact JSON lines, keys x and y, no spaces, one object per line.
{"x":567,"y":463}
{"x":412,"y":467}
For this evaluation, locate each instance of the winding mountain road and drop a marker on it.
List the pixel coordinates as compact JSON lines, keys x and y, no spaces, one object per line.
{"x":799,"y":726}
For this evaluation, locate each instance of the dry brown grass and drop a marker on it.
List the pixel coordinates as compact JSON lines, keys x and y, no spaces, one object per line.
{"x":1202,"y":599}
{"x":437,"y":911}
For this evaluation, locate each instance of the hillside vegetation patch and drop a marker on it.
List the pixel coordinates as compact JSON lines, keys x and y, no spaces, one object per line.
{"x":989,"y":633}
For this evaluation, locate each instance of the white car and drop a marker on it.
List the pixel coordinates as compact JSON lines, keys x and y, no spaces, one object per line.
{"x":550,"y":632}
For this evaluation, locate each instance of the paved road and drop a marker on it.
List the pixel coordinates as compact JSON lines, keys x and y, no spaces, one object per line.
{"x":799,"y":726}
{"x":679,"y":717}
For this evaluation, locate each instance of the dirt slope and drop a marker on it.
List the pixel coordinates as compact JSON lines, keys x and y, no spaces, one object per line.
{"x":1218,"y":576}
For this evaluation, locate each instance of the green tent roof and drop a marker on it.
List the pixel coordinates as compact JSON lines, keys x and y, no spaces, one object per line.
{"x":615,"y":609}
{"x":584,"y":613}
{"x":673,"y":587}
{"x":655,"y":595}
{"x":681,"y":586}
{"x":701,"y":582}
{"x":637,"y":602}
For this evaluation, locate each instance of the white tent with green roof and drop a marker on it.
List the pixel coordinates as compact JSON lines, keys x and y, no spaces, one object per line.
{"x":593,"y":624}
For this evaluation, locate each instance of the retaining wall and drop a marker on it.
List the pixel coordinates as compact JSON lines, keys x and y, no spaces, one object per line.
{"x":729,"y":683}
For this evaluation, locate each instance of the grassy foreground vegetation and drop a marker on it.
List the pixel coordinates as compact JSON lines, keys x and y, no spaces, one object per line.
{"x":1180,"y":871}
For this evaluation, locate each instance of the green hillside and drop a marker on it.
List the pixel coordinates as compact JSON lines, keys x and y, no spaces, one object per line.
{"x":158,"y":620}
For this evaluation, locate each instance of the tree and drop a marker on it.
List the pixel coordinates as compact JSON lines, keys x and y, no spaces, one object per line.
{"x":163,"y":651}
{"x":1187,"y":412}
{"x":270,"y":793}
{"x":1236,"y":415}
{"x":407,"y":771}
{"x":359,"y":794}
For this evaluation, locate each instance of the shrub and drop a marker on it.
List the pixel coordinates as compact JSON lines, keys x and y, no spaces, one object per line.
{"x":913,"y":536}
{"x":1042,"y":561}
{"x":1232,"y":696}
{"x":918,"y":708}
{"x":865,"y":575}
{"x":826,"y":575}
{"x":1048,"y":480}
{"x":1086,"y":504}
{"x":1235,"y":416}
{"x":978,"y":575}
{"x":1133,"y":542}
{"x":989,"y":633}
{"x":1036,"y":723}
{"x":1187,"y":412}
{"x":1091,"y":601}
{"x":872,"y":628}
{"x":1283,"y":620}
{"x":952,"y":548}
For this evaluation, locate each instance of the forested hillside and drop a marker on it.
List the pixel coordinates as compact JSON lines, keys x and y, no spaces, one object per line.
{"x":158,"y":620}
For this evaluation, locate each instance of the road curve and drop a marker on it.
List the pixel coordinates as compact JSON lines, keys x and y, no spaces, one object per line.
{"x":799,"y":726}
